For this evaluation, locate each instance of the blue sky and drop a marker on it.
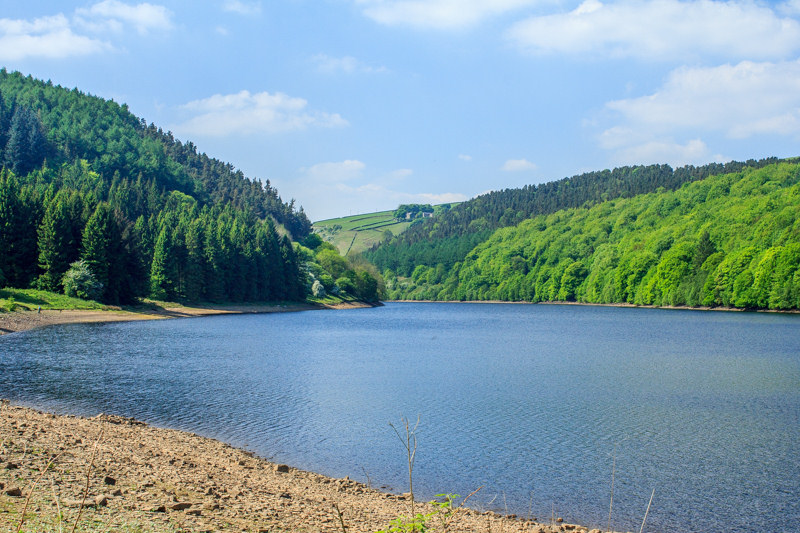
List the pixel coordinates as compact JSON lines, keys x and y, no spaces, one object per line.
{"x":353,"y":106}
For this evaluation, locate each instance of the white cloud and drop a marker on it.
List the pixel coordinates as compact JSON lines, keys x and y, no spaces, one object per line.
{"x":246,"y":113}
{"x":792,"y":7}
{"x":694,"y":152}
{"x":372,"y":196}
{"x":114,"y":15}
{"x":738,"y":100}
{"x":55,"y":37}
{"x":663,"y":29}
{"x":437,"y":14}
{"x":347,"y":170}
{"x":518,"y":165}
{"x":401,"y":173}
{"x":346,"y":64}
{"x":242,"y":8}
{"x":49,"y":37}
{"x":465,"y":157}
{"x":340,"y":188}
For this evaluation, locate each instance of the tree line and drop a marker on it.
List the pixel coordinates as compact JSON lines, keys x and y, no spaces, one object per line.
{"x":86,"y":186}
{"x":445,"y":239}
{"x":729,"y":240}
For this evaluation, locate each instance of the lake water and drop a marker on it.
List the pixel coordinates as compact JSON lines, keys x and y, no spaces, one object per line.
{"x":532,"y":402}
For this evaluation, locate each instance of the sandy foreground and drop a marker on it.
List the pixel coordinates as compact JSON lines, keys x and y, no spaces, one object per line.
{"x":25,"y":320}
{"x":109,"y":473}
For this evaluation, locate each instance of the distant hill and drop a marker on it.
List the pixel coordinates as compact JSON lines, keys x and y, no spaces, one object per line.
{"x":731,"y":240}
{"x":442,"y":242}
{"x":84,"y":179}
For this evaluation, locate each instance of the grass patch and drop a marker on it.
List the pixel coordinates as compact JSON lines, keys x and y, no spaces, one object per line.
{"x":357,"y":233}
{"x":32,"y":299}
{"x":330,"y":300}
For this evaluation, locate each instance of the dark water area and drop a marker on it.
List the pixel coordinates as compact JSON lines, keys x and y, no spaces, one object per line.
{"x":533,"y":402}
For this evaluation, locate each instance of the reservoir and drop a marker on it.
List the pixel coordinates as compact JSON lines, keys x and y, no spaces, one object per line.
{"x":538,"y":404}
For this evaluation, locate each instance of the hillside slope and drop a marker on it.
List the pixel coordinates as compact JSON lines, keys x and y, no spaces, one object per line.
{"x":730,"y":240}
{"x":84,"y":179}
{"x":442,"y":242}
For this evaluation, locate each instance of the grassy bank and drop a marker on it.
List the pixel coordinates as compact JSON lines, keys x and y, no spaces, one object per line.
{"x":24,"y":309}
{"x":33,"y":299}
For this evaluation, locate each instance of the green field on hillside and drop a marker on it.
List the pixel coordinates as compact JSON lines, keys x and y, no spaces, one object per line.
{"x":356,"y":233}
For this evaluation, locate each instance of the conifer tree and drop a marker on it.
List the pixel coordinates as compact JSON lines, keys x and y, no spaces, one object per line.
{"x":57,"y":247}
{"x":26,"y":146}
{"x":4,"y":123}
{"x":19,"y":212}
{"x":162,"y":284}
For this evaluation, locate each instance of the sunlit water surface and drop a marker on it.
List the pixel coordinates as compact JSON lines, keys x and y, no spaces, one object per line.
{"x":532,"y":402}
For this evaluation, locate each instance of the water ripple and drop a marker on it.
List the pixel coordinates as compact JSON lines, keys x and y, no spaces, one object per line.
{"x":536,"y":403}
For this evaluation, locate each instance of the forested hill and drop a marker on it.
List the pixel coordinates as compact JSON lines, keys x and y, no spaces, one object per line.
{"x":728,"y":240}
{"x":441,"y":242}
{"x":83,"y":178}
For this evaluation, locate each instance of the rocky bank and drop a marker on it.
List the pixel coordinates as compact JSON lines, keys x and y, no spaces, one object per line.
{"x":109,"y":473}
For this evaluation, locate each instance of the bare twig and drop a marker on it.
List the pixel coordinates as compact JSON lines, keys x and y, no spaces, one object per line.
{"x":410,"y":444}
{"x":88,"y":478}
{"x":30,"y":492}
{"x":648,"y":510}
{"x":58,"y":505}
{"x":447,"y":518}
{"x":470,"y":495}
{"x":366,"y":475}
{"x":530,"y":507}
{"x":341,"y":517}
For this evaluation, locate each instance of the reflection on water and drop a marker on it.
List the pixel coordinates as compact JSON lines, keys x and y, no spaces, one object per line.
{"x":529,"y":401}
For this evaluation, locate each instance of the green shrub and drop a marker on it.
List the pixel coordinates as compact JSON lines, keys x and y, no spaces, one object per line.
{"x":80,"y":282}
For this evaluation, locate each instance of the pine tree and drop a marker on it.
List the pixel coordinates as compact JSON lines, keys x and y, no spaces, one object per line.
{"x":162,"y":283}
{"x":57,"y":247}
{"x":195,"y":262}
{"x":111,"y":253}
{"x":9,"y":207}
{"x":26,"y":146}
{"x":4,"y":124}
{"x":19,"y":213}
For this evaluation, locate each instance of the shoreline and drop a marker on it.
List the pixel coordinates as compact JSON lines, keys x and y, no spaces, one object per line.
{"x":621,"y":304}
{"x":109,"y":472}
{"x":26,"y":320}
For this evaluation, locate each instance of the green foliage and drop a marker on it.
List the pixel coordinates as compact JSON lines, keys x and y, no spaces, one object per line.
{"x":413,"y":211}
{"x":448,"y":238}
{"x":354,"y":234}
{"x":437,"y":520}
{"x":406,"y":524}
{"x":57,"y":243}
{"x":80,"y":282}
{"x":146,"y":213}
{"x":312,"y":241}
{"x":731,"y":240}
{"x":31,"y":299}
{"x":26,"y":147}
{"x":8,"y":305}
{"x":348,"y":278}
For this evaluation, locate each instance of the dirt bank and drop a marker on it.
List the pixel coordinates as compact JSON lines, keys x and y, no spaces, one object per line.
{"x":134,"y":477}
{"x":25,"y":320}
